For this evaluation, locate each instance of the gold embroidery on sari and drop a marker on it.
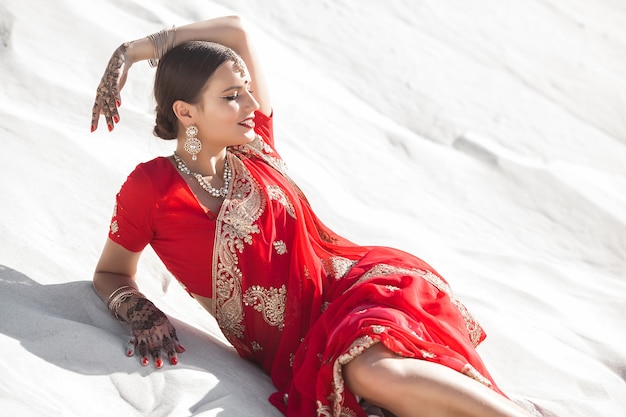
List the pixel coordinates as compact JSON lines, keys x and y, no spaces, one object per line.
{"x":235,"y":226}
{"x":325,"y":236}
{"x":266,"y":148}
{"x":277,"y":194}
{"x":337,"y":266}
{"x":264,"y":151}
{"x":256,"y":346}
{"x":426,"y":354}
{"x":471,"y":324}
{"x":280,"y":247}
{"x":325,"y":411}
{"x":239,"y":214}
{"x":378,"y":329}
{"x":270,"y":302}
{"x":473,"y":373}
{"x":336,"y":398}
{"x":114,"y":226}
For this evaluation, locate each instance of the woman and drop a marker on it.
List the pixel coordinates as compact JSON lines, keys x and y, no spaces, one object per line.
{"x":336,"y":325}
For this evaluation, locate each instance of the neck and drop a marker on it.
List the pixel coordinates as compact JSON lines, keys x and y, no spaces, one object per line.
{"x":218,"y":191}
{"x":209,"y":163}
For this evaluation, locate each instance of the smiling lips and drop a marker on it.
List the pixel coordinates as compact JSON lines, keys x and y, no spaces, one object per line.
{"x":249,"y":123}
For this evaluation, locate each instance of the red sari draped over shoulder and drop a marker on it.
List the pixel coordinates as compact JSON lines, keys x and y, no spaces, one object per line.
{"x":289,"y":293}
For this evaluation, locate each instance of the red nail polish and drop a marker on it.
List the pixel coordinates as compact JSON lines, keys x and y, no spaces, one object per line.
{"x":116,"y":119}
{"x":118,"y":102}
{"x":110,"y":126}
{"x":129,"y":353}
{"x":158,"y":363}
{"x":144,"y":361}
{"x":93,"y":128}
{"x":182,"y":348}
{"x":174,"y":361}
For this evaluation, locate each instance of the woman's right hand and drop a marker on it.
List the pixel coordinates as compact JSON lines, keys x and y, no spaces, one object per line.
{"x":151,"y":332}
{"x":108,"y":97}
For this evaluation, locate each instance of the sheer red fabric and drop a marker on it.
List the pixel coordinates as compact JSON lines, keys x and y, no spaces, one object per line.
{"x":289,"y":293}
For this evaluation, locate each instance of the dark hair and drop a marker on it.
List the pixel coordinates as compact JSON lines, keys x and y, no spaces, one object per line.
{"x":182,"y":74}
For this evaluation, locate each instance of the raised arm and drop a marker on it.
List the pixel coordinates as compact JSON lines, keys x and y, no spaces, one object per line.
{"x":228,"y":31}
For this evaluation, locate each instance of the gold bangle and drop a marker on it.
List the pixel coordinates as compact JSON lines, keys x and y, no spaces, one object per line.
{"x":119,"y":296}
{"x":161,"y":43}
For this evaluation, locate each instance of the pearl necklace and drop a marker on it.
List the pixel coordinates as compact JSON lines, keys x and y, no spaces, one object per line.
{"x":206,"y":186}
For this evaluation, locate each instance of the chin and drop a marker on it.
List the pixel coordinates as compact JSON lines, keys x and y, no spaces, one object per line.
{"x":249,"y":137}
{"x":243,"y":140}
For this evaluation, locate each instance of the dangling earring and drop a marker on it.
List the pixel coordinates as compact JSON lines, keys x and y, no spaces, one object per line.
{"x":192,"y":143}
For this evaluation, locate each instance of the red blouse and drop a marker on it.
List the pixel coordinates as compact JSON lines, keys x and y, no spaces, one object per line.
{"x":156,"y":206}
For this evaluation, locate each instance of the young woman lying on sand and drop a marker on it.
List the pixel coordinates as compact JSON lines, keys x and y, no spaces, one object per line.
{"x":339,"y":327}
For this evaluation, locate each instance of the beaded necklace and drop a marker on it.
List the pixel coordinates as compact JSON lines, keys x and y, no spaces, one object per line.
{"x":206,"y":186}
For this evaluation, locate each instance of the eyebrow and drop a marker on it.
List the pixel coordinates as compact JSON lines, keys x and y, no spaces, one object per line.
{"x":236,"y":87}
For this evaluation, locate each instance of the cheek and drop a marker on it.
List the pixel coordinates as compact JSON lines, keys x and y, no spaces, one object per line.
{"x":218,"y":116}
{"x":225,"y":111}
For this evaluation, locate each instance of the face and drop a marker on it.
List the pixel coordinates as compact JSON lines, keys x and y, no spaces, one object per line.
{"x":225,"y":114}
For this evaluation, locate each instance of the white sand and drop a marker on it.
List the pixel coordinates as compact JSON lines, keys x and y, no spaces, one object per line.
{"x":487,"y":137}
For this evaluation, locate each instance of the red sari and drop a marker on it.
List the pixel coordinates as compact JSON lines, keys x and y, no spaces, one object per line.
{"x":289,"y":293}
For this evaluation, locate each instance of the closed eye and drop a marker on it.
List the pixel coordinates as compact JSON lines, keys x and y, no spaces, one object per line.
{"x":235,"y":95}
{"x":231,"y":97}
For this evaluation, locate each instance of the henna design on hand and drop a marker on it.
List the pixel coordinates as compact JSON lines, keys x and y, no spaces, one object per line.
{"x":151,"y":331}
{"x":108,"y":92}
{"x":144,"y":315}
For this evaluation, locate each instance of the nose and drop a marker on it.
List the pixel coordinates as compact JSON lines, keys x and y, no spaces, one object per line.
{"x":251,"y":102}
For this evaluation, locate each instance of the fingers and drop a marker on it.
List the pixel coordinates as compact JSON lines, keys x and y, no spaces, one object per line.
{"x":109,"y":110}
{"x":130,"y":346}
{"x":152,"y":333}
{"x":143,"y":352}
{"x":106,"y":104}
{"x":149,"y":345}
{"x":172,"y":357}
{"x":168,"y":345}
{"x":177,"y":346}
{"x":108,"y":97}
{"x":156,"y":356}
{"x":111,"y":114}
{"x":95,"y":114}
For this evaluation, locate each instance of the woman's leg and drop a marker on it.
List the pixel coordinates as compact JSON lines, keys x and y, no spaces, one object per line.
{"x":415,"y":388}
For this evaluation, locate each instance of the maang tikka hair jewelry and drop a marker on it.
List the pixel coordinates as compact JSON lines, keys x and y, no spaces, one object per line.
{"x":192,"y":144}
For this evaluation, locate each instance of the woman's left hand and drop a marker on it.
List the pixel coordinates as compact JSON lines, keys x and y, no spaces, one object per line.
{"x":108,"y":93}
{"x":151,"y":332}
